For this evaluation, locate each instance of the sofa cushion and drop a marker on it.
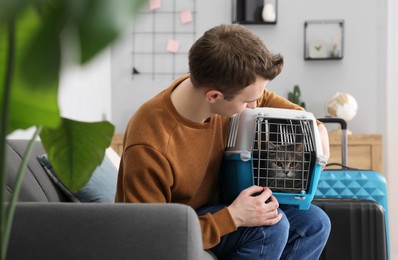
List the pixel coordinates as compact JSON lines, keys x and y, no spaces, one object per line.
{"x":36,"y":185}
{"x":100,"y":188}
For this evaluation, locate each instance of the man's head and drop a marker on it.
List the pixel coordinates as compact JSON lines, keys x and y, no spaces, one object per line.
{"x":229,"y":58}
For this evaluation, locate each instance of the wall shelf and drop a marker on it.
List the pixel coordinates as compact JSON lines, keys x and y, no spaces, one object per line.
{"x":323,"y":40}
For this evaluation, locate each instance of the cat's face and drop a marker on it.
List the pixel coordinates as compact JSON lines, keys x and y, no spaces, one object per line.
{"x":285,"y":161}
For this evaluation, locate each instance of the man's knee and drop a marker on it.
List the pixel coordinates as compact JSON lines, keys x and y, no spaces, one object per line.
{"x":277,"y":233}
{"x":324,"y":223}
{"x":320,"y":222}
{"x":280,"y":230}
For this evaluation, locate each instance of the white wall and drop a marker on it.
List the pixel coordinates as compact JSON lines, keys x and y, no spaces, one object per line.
{"x":85,"y":91}
{"x":360,"y":73}
{"x":391,"y":146}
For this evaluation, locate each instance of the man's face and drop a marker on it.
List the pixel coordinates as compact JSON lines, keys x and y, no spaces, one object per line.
{"x":247,"y":98}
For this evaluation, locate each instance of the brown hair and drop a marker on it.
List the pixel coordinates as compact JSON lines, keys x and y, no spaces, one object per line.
{"x":229,"y":57}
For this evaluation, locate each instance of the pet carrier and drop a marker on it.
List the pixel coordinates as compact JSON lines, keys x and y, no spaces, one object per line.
{"x":276,"y":148}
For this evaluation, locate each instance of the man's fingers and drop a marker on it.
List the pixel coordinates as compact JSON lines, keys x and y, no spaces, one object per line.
{"x":265,"y":195}
{"x":272,"y":199}
{"x":252,"y":190}
{"x":272,"y":221}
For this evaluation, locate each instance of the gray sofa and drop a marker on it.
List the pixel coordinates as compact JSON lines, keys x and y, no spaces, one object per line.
{"x":47,"y":225}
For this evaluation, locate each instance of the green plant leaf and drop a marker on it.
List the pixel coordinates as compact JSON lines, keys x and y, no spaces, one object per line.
{"x":8,"y":9}
{"x":43,"y":51}
{"x":97,"y":28}
{"x":76,"y":148}
{"x":38,"y":47}
{"x":296,"y":90}
{"x":31,"y":103}
{"x":30,"y":107}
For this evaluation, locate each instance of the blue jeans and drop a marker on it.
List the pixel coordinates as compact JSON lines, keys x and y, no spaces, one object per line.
{"x":300,"y":234}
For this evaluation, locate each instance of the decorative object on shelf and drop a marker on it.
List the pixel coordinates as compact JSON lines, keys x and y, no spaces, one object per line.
{"x":323,"y":39}
{"x":294,"y":96}
{"x":255,"y":11}
{"x":269,"y":13}
{"x":342,"y":105}
{"x":317,"y":49}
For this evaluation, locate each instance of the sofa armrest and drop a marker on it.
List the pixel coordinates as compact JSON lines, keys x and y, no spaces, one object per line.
{"x":105,"y":231}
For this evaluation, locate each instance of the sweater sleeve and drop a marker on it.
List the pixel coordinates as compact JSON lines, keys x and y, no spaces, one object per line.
{"x":145,"y":176}
{"x":271,"y":99}
{"x":214,"y":226}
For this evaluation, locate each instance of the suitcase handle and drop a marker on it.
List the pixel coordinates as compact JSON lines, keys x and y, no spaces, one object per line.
{"x":343,"y":125}
{"x":336,"y":120}
{"x":344,"y":167}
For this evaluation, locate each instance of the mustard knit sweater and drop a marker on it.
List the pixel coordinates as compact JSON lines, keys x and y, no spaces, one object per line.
{"x":169,"y":159}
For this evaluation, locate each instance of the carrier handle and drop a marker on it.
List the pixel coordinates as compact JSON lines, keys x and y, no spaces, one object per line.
{"x":344,"y":142}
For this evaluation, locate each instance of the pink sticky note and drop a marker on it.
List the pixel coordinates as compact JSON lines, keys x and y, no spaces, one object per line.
{"x":154,"y":4}
{"x":173,"y":45}
{"x":186,"y":16}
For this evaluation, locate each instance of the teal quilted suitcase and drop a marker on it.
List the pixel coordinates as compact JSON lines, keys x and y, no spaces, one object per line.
{"x":349,"y":183}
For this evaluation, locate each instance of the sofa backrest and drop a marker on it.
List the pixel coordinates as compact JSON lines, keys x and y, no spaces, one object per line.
{"x":36,"y":185}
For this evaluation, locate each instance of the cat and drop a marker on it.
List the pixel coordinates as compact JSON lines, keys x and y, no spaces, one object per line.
{"x":282,"y":169}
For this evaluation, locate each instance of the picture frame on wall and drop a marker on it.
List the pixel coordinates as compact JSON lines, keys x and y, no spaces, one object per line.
{"x":324,"y":40}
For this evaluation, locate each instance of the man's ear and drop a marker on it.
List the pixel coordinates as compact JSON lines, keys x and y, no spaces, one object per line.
{"x":214,"y":95}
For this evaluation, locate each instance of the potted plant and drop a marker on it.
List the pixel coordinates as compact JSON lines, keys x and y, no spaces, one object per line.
{"x":30,"y":58}
{"x":295,"y":96}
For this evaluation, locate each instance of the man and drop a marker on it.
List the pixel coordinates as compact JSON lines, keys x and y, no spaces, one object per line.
{"x":174,"y":144}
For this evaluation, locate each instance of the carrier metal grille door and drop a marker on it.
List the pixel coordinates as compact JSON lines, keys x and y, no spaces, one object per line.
{"x":283,"y":152}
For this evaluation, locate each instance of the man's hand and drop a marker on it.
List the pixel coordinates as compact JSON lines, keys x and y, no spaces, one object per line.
{"x":248,"y":210}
